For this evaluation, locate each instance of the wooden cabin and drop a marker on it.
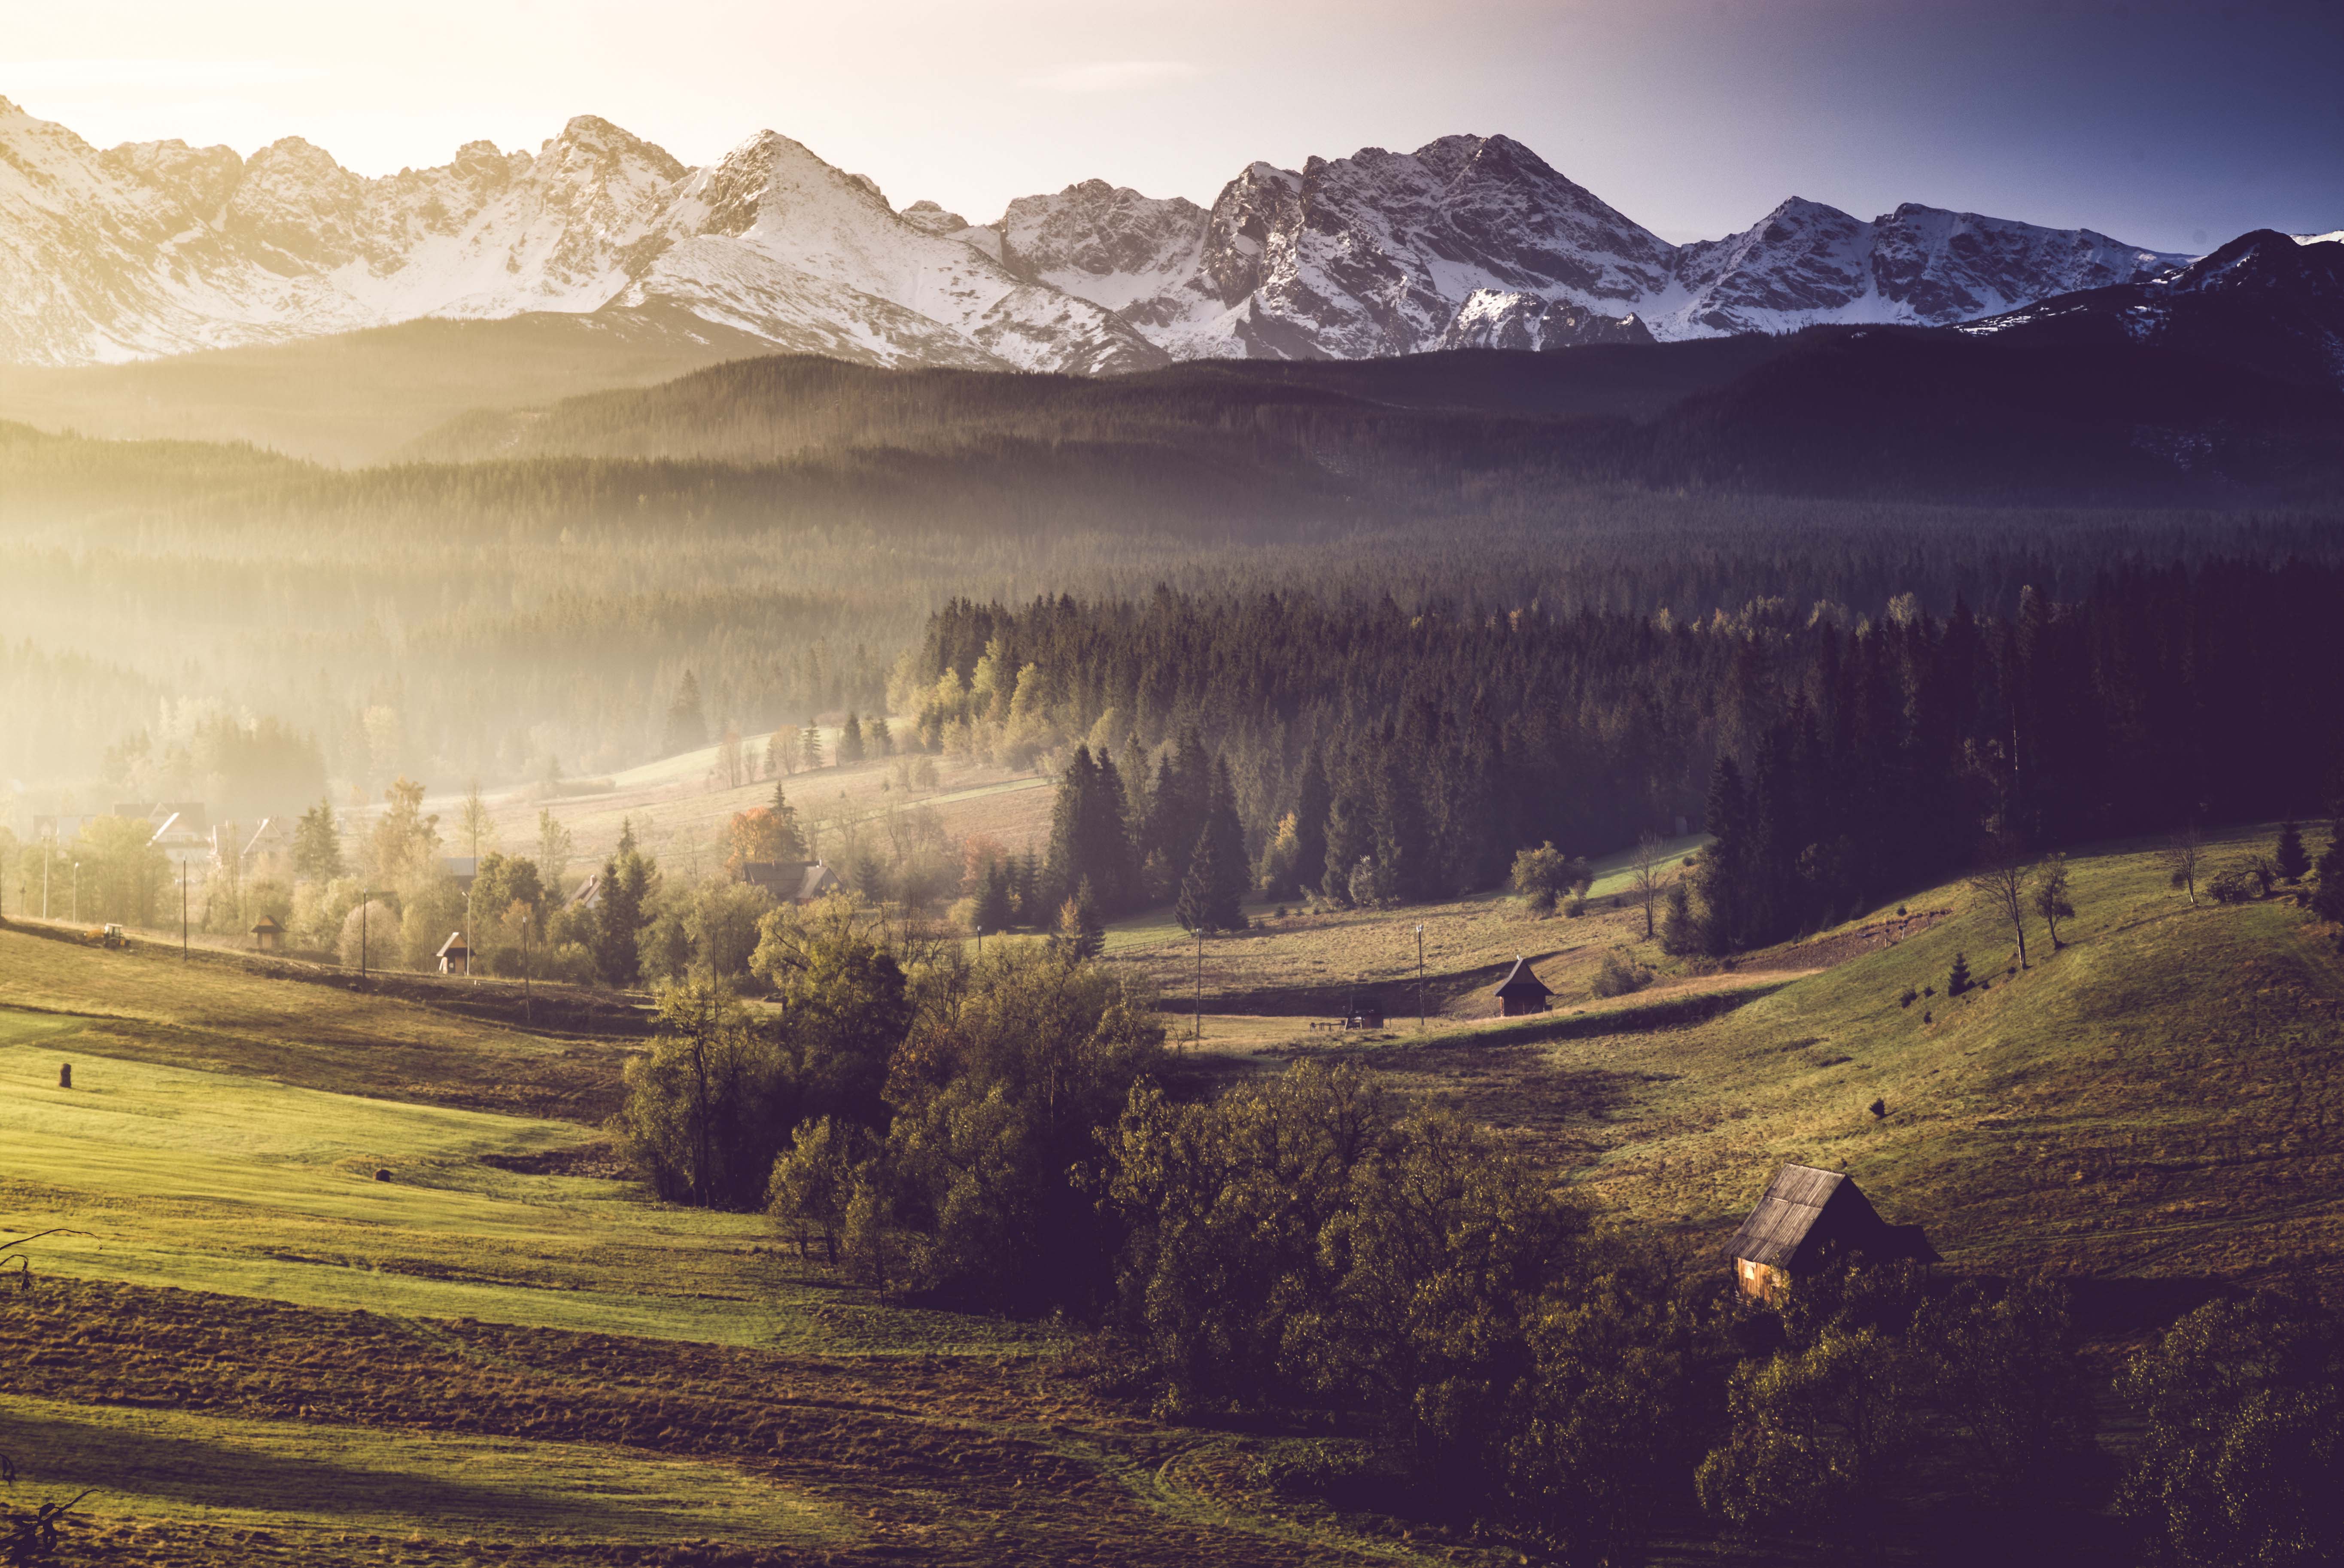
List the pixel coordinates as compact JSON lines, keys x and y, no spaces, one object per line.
{"x":455,"y":957}
{"x":1808,"y":1217}
{"x":1522,"y":991}
{"x":791,"y":881}
{"x":266,"y":934}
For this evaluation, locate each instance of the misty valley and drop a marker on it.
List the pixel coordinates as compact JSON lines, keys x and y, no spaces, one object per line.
{"x":694,"y":870}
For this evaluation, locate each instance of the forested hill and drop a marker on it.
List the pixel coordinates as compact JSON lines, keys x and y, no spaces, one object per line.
{"x":1886,"y":413}
{"x":1841,"y":760}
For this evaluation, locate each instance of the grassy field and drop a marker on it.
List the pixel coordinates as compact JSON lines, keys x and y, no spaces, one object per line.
{"x":680,"y":808}
{"x":259,"y":1352}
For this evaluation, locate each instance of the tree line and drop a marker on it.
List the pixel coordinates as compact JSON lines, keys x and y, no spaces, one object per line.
{"x":1376,"y":754}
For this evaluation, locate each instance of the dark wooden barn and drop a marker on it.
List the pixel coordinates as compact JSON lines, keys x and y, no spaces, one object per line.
{"x":1809,"y":1216}
{"x":1522,"y":991}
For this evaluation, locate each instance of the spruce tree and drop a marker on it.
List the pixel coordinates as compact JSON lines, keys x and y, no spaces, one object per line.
{"x":810,"y":746}
{"x":1072,"y":833}
{"x":791,"y":842}
{"x":687,"y":721}
{"x":1959,"y":980}
{"x":1193,"y":908}
{"x":1080,"y":932}
{"x":878,"y":739}
{"x":1227,"y":836}
{"x":992,"y":906}
{"x":1348,"y":842}
{"x":2327,"y":898}
{"x":1312,"y":801}
{"x":850,"y":739}
{"x":2288,"y":857}
{"x":318,"y":843}
{"x":1110,"y":857}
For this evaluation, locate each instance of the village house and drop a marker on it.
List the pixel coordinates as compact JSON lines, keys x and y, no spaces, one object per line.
{"x":1522,"y":991}
{"x":791,"y":881}
{"x":268,"y":935}
{"x":1809,"y":1218}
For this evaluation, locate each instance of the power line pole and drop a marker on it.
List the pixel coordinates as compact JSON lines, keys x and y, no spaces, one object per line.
{"x":183,"y":912}
{"x":1200,"y":986}
{"x":1419,"y":977}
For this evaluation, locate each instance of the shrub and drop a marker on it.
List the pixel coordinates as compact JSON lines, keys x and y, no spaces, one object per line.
{"x":1619,"y":975}
{"x":2232,"y":884}
{"x":1909,"y":997}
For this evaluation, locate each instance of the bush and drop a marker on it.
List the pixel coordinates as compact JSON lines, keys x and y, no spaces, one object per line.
{"x":1545,"y":875}
{"x":2244,"y":1409}
{"x":2232,"y":884}
{"x":1619,"y":975}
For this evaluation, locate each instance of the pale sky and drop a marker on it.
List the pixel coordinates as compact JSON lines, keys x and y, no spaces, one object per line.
{"x":2170,"y":125}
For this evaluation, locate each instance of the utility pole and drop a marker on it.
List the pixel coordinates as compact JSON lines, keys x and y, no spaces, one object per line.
{"x":183,"y":911}
{"x":469,"y":975}
{"x":48,"y":853}
{"x":1200,"y":986}
{"x":76,"y":898}
{"x":528,"y":1009}
{"x":1419,"y":977}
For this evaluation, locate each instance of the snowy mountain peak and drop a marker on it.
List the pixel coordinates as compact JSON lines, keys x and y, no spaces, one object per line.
{"x":159,"y":248}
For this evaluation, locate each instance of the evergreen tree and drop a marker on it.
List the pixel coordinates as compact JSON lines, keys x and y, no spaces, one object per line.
{"x":810,"y":746}
{"x":994,"y":910}
{"x":781,"y":756}
{"x":2288,"y":857}
{"x":1959,"y":980}
{"x":1403,"y":843}
{"x":687,"y":721}
{"x":850,"y":739}
{"x":1175,"y":807}
{"x":1073,"y":834}
{"x":1312,"y":801}
{"x":317,"y":845}
{"x":789,"y":842}
{"x":2327,"y":898}
{"x":1349,"y":840}
{"x":1724,"y":875}
{"x":1080,"y":932}
{"x":878,"y":738}
{"x":1227,"y":889}
{"x":618,"y":917}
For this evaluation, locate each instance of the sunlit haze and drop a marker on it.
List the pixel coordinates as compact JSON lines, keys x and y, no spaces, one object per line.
{"x":2174,"y":126}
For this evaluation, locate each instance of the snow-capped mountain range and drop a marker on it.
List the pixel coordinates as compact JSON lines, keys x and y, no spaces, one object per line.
{"x":158,"y":247}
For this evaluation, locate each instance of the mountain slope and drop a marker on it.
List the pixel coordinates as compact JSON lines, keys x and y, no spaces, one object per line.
{"x":1469,"y":241}
{"x":2265,"y":302}
{"x":159,"y":248}
{"x":1476,"y":242}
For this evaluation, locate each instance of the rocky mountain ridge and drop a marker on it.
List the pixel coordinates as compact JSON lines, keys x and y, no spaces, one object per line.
{"x":159,"y":248}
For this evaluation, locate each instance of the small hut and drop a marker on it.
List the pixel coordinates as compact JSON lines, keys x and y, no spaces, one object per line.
{"x":1809,"y":1216}
{"x":455,"y":957}
{"x":1522,"y":991}
{"x":791,"y":881}
{"x":266,"y":934}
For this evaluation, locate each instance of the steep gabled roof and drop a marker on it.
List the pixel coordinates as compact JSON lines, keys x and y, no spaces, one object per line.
{"x":1794,"y":1202}
{"x":1520,"y":981}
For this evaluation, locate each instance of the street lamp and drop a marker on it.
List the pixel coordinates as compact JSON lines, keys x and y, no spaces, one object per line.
{"x":76,"y":892}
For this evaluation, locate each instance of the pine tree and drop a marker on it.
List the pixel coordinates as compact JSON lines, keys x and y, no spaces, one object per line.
{"x":1072,"y":833}
{"x":790,"y":843}
{"x":687,"y":721}
{"x":1959,"y":980}
{"x":992,"y":906}
{"x":1080,"y":932}
{"x":2288,"y":857}
{"x":2327,"y":898}
{"x":879,"y":739}
{"x":1348,"y":842}
{"x":1312,"y":801}
{"x":619,"y":919}
{"x":1227,"y":890}
{"x":317,"y":845}
{"x":1192,"y":907}
{"x":850,"y":739}
{"x":810,"y":746}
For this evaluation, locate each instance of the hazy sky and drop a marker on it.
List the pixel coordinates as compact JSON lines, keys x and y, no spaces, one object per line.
{"x":2175,"y":125}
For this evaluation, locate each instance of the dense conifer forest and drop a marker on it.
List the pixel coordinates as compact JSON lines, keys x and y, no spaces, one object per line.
{"x":1838,"y":756}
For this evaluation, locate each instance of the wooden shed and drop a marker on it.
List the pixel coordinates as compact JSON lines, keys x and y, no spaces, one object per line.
{"x":1522,"y":991}
{"x":1806,"y":1219}
{"x":455,"y":957}
{"x":266,"y":934}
